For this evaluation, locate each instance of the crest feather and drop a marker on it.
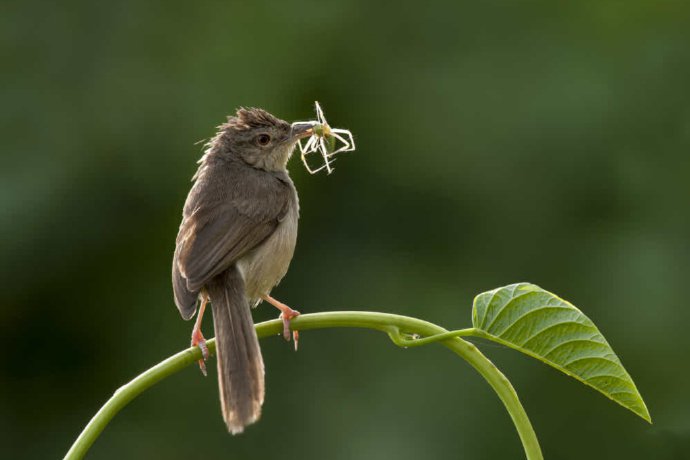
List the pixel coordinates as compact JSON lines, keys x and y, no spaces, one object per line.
{"x":252,"y":117}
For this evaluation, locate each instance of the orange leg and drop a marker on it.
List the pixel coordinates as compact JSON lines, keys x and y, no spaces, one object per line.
{"x":197,"y":337}
{"x":286,"y":314}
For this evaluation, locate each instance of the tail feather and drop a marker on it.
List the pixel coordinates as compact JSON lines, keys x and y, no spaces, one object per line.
{"x":240,"y":365}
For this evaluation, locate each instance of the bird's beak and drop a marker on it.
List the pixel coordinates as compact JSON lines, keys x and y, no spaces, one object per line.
{"x":300,"y":131}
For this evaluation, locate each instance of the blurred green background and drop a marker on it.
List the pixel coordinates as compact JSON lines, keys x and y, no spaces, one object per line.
{"x":497,"y":142}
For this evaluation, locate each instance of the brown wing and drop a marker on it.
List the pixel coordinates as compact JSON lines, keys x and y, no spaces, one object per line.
{"x":224,"y":219}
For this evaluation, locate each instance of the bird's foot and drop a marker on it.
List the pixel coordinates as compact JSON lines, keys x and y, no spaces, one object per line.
{"x":286,"y":316}
{"x":198,"y":340}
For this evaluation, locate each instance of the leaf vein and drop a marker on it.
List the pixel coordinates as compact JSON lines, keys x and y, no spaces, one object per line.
{"x":626,"y":380}
{"x":488,"y":304}
{"x":548,"y":328}
{"x":585,"y":358}
{"x":555,"y":307}
{"x":622,"y":392}
{"x":567,"y":342}
{"x":503,"y":308}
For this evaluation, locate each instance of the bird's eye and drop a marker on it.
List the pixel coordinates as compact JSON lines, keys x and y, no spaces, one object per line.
{"x":263,"y":139}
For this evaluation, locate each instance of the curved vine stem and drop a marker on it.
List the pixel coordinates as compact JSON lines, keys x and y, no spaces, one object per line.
{"x":404,"y":331}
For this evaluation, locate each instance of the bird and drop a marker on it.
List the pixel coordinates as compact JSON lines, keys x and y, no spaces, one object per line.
{"x":234,"y":245}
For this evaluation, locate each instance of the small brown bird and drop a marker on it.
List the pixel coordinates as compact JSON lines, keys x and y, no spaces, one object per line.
{"x":235,"y":243}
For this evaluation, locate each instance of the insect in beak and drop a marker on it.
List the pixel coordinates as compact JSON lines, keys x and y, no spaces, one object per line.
{"x":323,"y":139}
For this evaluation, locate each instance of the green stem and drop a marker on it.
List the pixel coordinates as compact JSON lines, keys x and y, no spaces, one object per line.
{"x":399,"y":328}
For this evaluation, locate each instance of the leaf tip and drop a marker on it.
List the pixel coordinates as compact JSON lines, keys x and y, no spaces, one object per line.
{"x":644,"y":413}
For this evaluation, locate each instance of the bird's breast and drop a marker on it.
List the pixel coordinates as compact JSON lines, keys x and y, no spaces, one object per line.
{"x":267,"y":264}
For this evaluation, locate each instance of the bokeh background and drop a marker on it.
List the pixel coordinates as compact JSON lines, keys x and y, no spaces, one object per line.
{"x":497,"y":141}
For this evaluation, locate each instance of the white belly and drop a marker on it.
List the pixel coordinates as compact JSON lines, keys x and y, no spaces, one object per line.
{"x":265,"y":266}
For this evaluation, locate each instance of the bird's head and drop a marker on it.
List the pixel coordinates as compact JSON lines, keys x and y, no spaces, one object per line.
{"x":260,"y":139}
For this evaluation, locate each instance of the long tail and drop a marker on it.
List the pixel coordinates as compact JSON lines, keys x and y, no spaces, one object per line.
{"x":240,"y":365}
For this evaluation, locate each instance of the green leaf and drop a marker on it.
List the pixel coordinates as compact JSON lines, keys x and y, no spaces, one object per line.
{"x":542,"y":325}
